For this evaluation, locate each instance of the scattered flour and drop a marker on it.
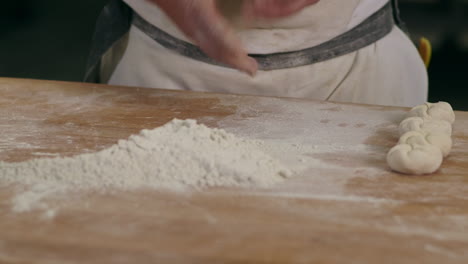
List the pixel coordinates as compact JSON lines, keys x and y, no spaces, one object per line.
{"x":179,"y":154}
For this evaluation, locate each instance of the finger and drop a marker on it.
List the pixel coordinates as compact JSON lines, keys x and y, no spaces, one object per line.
{"x":216,"y":38}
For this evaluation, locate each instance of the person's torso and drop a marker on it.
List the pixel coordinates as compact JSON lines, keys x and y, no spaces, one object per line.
{"x":310,"y":27}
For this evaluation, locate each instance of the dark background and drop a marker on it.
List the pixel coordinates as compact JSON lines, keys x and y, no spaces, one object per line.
{"x":50,"y":39}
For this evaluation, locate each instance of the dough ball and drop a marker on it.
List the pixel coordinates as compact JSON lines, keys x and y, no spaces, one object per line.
{"x":415,"y":159}
{"x":438,"y":111}
{"x":421,"y":138}
{"x":419,"y":124}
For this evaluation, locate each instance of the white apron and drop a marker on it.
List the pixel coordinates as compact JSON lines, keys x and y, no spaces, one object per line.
{"x":388,"y":72}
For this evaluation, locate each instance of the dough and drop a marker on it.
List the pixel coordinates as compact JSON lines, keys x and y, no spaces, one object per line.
{"x":437,"y":111}
{"x":419,"y":124}
{"x":425,"y":139}
{"x":420,"y":138}
{"x":415,"y":159}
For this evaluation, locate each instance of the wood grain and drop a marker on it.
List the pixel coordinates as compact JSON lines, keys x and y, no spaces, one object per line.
{"x":345,"y":207}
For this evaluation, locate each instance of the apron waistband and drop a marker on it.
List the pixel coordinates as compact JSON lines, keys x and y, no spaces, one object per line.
{"x":369,"y":31}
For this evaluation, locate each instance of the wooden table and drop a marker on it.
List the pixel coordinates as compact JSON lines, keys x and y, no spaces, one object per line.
{"x":344,"y":207}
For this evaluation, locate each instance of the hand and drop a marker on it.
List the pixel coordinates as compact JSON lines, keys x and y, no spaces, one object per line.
{"x":201,"y":21}
{"x":274,"y":8}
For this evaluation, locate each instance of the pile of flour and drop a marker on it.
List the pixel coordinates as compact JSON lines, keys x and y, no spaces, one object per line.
{"x":179,"y":154}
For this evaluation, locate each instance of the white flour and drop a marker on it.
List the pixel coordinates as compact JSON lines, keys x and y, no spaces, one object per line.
{"x":179,"y":154}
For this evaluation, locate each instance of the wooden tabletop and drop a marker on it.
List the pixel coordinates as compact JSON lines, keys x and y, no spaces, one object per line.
{"x":345,"y":206}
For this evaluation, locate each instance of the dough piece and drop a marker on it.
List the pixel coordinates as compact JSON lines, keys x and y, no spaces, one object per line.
{"x":438,"y":111}
{"x":431,"y":125}
{"x":421,"y":138}
{"x":415,"y":159}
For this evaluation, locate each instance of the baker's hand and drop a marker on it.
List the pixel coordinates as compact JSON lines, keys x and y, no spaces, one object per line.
{"x":201,"y":21}
{"x":270,"y":9}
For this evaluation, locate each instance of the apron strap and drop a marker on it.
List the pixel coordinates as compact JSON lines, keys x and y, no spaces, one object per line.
{"x":114,"y":22}
{"x":397,"y":18}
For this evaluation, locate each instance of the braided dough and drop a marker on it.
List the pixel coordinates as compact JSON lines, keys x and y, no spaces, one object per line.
{"x":426,"y":138}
